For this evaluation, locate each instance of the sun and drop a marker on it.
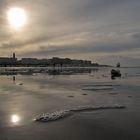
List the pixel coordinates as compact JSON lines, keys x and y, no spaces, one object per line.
{"x":17,"y":17}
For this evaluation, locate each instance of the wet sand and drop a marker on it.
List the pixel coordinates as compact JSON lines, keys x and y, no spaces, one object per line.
{"x":38,"y":94}
{"x":105,"y":125}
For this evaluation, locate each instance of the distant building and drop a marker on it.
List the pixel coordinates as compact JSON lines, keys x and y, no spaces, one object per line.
{"x":68,"y":62}
{"x":55,"y":61}
{"x":8,"y":60}
{"x":29,"y":61}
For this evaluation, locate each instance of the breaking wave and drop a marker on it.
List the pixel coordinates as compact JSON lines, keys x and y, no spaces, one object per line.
{"x":65,"y":113}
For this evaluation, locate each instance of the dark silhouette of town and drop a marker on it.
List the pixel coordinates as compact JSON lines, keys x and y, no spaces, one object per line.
{"x":53,"y":62}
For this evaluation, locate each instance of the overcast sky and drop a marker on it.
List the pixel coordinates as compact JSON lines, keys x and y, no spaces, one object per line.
{"x":105,"y":31}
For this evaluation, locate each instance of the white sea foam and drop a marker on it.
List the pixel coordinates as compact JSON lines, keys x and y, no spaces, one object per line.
{"x":98,"y":88}
{"x":53,"y":116}
{"x":64,"y":113}
{"x":100,"y":85}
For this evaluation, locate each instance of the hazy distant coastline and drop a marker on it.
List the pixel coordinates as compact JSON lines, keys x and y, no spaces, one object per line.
{"x":53,"y":62}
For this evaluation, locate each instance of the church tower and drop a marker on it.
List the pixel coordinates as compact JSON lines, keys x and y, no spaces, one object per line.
{"x":14,"y":55}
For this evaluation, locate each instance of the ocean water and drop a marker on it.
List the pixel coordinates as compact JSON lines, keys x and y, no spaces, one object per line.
{"x":29,"y":93}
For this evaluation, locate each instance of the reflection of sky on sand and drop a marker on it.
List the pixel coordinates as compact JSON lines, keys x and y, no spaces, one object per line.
{"x":47,"y":93}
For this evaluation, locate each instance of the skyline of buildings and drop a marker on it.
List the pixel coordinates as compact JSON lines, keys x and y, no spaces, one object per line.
{"x":55,"y":61}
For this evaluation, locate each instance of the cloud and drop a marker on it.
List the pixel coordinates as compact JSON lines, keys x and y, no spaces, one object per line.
{"x":73,"y":27}
{"x":136,"y":36}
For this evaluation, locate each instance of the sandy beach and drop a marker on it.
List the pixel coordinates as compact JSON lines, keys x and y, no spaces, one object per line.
{"x":24,"y":97}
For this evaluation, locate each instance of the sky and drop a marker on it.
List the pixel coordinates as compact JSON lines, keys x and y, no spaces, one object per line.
{"x":104,"y":31}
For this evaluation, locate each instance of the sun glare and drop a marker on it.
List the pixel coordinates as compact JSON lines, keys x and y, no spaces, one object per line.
{"x":15,"y":118}
{"x":17,"y":17}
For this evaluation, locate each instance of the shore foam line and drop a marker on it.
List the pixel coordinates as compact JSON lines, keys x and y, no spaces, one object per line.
{"x":101,"y":85}
{"x":65,"y":113}
{"x":97,"y":88}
